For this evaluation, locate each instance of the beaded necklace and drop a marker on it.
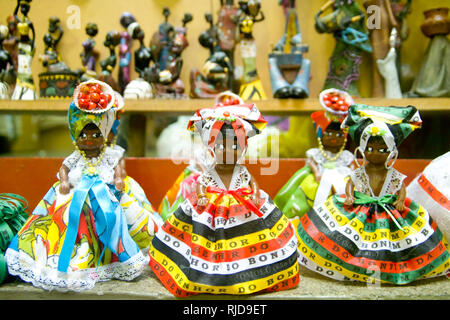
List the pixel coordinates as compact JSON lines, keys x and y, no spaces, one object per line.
{"x":91,"y":170}
{"x":324,"y":154}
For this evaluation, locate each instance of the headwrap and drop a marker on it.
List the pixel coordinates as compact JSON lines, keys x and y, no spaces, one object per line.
{"x":393,"y":124}
{"x":118,"y":110}
{"x":322,"y":119}
{"x":245,"y":119}
{"x":78,"y":118}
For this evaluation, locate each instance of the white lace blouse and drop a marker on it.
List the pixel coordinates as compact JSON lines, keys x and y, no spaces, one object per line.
{"x":240,"y":179}
{"x":77,"y":165}
{"x":391,"y":185}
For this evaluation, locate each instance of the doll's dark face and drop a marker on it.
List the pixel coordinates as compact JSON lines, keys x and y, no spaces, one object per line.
{"x":90,"y":140}
{"x":333,"y":138}
{"x":376,"y":151}
{"x":227,"y":149}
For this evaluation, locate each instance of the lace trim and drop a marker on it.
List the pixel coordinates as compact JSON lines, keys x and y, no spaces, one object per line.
{"x":51,"y":279}
{"x":391,"y":185}
{"x":241,"y":178}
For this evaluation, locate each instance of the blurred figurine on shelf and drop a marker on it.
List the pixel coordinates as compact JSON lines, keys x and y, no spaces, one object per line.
{"x":58,"y":81}
{"x":346,"y":23}
{"x":127,"y":21}
{"x":386,"y":35}
{"x":289,"y":70}
{"x":92,"y":225}
{"x":112,"y":40}
{"x":408,"y":245}
{"x":140,"y":88}
{"x":11,"y":43}
{"x":24,"y":89}
{"x":249,"y":13}
{"x":167,"y":46}
{"x":90,"y":55}
{"x":217,"y":71}
{"x":433,"y":79}
{"x":327,"y":165}
{"x":7,"y":70}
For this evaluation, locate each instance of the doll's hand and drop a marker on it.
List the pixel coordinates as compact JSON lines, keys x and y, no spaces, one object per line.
{"x":318,"y":177}
{"x":349,"y":200}
{"x":399,"y":204}
{"x":120,"y":185}
{"x":64,"y":187}
{"x":202,"y":201}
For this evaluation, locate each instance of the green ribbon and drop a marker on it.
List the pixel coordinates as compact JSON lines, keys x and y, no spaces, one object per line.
{"x":362,"y":198}
{"x":13,"y":215}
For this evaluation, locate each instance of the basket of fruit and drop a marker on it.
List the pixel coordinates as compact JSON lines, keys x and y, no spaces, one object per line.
{"x":335,"y":101}
{"x":94,"y":96}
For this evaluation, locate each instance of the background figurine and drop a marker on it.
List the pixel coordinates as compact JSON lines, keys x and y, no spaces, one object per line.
{"x":346,"y":23}
{"x":217,"y":71}
{"x":249,"y":13}
{"x":112,"y":40}
{"x":7,"y":70}
{"x":10,"y":43}
{"x":140,"y":88}
{"x":58,"y":81}
{"x":127,"y":20}
{"x":90,"y":55}
{"x":289,"y":71}
{"x":433,"y":79}
{"x":167,"y":46}
{"x":386,"y":39}
{"x":24,"y":89}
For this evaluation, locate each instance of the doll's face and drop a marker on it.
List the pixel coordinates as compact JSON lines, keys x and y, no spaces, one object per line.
{"x":90,"y":140}
{"x":376,"y":151}
{"x":333,"y":138}
{"x":227,"y":150}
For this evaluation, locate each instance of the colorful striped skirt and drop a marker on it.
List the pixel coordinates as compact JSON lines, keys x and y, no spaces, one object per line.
{"x":362,"y":242}
{"x":229,"y":247}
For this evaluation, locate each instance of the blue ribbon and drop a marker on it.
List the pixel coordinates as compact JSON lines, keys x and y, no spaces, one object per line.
{"x":112,"y":229}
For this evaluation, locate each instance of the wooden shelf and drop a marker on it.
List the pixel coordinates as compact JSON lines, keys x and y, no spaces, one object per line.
{"x":188,"y":106}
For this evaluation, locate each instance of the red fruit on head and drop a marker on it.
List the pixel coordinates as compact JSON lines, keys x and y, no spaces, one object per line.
{"x":83,"y":103}
{"x":103,"y":103}
{"x":108,"y":97}
{"x":326,"y":96}
{"x":334,"y":99}
{"x":328,"y":103}
{"x":92,"y":105}
{"x":94,"y":97}
{"x":84,"y":89}
{"x":82,"y":95}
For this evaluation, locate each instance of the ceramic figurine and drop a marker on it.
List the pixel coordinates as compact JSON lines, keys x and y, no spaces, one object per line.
{"x":205,"y":257}
{"x":89,"y":227}
{"x":24,"y":89}
{"x":217,"y":71}
{"x":226,"y":27}
{"x":140,"y":88}
{"x":249,"y":13}
{"x":433,"y":78}
{"x":13,"y":215}
{"x":289,"y":71}
{"x":90,"y":55}
{"x":127,"y":20}
{"x":7,"y":71}
{"x":11,"y":43}
{"x":431,"y":188}
{"x":58,"y":81}
{"x":167,"y":46}
{"x":112,"y":40}
{"x":346,"y":23}
{"x":373,"y":233}
{"x":386,"y":39}
{"x":327,"y":165}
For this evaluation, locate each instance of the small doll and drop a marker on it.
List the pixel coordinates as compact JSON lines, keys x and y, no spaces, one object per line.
{"x":227,"y":237}
{"x":373,"y":232}
{"x":84,"y":228}
{"x":327,"y":166}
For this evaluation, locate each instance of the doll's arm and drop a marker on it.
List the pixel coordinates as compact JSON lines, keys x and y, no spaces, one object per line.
{"x":202,"y":199}
{"x":349,"y":198}
{"x":118,"y":179}
{"x":123,"y":168}
{"x":64,"y":186}
{"x":401,"y":195}
{"x":315,"y":169}
{"x":255,"y":187}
